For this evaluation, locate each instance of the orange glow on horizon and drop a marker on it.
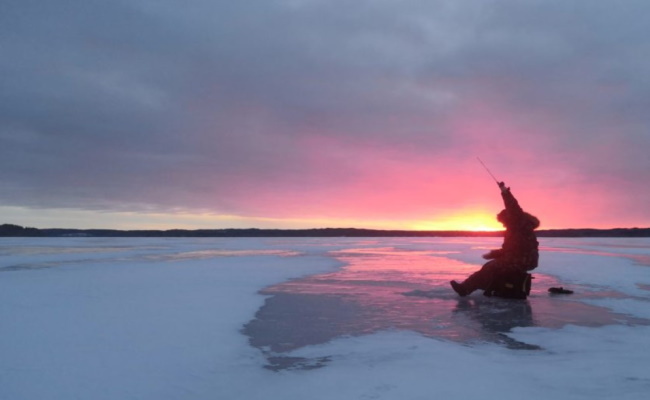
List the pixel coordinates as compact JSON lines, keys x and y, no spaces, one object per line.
{"x":472,"y":221}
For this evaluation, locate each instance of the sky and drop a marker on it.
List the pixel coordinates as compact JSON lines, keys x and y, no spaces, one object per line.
{"x":166,"y":114}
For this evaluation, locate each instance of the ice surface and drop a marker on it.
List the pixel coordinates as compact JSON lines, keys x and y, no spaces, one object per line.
{"x":201,"y":318}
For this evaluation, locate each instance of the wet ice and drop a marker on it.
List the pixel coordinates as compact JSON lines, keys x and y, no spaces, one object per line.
{"x":384,"y":288}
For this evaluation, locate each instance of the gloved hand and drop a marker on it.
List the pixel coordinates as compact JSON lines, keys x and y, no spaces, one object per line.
{"x":503,"y":187}
{"x":492,"y":254}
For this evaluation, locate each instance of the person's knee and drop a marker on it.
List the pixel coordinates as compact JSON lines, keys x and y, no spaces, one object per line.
{"x":491,"y":266}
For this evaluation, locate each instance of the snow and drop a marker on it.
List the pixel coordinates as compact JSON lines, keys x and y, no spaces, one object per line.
{"x":94,"y":318}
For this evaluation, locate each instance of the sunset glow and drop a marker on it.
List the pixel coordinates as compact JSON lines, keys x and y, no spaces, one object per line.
{"x":462,"y":222}
{"x":300,"y":115}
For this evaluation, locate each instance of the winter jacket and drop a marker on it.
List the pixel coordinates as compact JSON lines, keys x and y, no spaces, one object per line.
{"x":520,"y":247}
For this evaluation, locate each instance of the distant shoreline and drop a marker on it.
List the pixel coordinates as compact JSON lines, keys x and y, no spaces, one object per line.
{"x":9,"y":230}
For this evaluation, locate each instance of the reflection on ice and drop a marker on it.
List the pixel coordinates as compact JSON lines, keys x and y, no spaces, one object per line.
{"x":42,"y":257}
{"x":203,"y":254}
{"x":641,"y":259}
{"x":388,"y":288}
{"x":49,"y":250}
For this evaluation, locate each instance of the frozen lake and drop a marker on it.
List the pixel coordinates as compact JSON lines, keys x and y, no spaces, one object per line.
{"x":318,"y":318}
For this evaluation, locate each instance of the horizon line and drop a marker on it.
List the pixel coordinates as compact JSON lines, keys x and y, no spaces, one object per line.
{"x":8,"y":230}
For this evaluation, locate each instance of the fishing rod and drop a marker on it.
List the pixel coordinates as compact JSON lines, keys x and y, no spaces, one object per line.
{"x":488,"y":171}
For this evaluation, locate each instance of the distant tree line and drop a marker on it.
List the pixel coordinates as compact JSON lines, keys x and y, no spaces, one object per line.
{"x":18,"y":231}
{"x":9,"y":230}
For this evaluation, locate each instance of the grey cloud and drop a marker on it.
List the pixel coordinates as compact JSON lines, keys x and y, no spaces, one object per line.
{"x":169,"y":103}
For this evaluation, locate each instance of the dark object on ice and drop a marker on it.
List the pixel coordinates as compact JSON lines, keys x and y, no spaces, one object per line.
{"x":559,"y":290}
{"x":280,"y":363}
{"x":510,"y":285}
{"x":506,"y":274}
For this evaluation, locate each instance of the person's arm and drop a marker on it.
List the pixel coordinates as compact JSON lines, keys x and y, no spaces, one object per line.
{"x":493,"y":254}
{"x":512,"y":205}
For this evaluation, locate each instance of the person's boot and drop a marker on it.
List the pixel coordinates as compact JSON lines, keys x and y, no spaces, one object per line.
{"x":458,"y":288}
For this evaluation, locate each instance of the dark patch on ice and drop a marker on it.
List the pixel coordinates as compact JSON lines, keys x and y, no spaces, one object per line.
{"x":496,"y":317}
{"x":387,"y":289}
{"x":279,"y":363}
{"x":643,"y":286}
{"x":26,"y":267}
{"x":289,"y":321}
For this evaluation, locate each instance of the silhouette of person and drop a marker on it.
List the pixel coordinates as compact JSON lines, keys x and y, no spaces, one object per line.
{"x":519,"y":252}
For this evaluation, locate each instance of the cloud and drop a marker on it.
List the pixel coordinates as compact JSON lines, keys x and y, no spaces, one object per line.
{"x":314,"y":108}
